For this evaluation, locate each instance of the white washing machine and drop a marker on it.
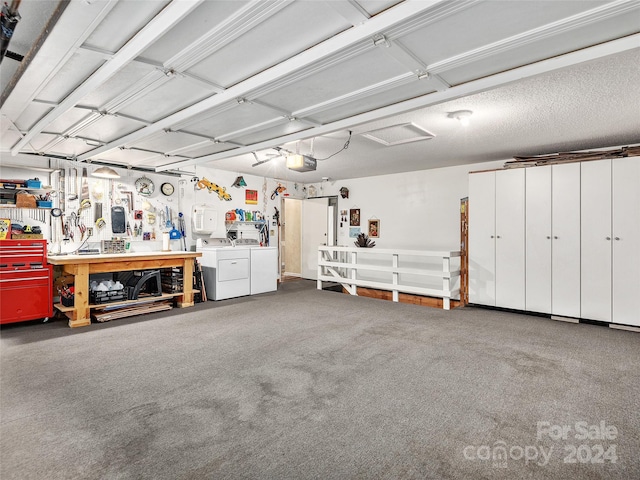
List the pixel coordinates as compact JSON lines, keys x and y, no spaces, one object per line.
{"x":226,"y":269}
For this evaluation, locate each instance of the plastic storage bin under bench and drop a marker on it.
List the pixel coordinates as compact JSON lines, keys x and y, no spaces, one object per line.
{"x":98,"y":297}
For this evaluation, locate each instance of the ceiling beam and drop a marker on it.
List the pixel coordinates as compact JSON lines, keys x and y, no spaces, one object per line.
{"x":491,"y":82}
{"x":331,"y":46}
{"x":158,"y":26}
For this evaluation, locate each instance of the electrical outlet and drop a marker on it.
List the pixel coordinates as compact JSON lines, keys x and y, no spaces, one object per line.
{"x":89,"y":231}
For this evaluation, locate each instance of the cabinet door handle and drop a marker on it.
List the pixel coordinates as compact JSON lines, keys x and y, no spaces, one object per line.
{"x":498,"y":236}
{"x":608,"y":238}
{"x":492,"y":236}
{"x":548,"y":237}
{"x":555,"y":237}
{"x":617,"y":238}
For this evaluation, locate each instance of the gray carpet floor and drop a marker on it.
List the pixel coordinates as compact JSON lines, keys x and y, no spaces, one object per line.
{"x":308,"y":384}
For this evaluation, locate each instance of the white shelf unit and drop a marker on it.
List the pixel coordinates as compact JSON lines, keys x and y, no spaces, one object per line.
{"x":345,"y":265}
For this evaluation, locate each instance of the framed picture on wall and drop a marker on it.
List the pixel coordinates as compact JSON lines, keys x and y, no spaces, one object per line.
{"x":354,"y":217}
{"x":251,"y":197}
{"x":374,"y":228}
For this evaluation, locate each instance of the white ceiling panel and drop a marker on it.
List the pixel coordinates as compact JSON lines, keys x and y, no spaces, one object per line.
{"x":344,"y":109}
{"x":126,"y":157}
{"x":124,"y":21}
{"x":168,"y":141}
{"x":576,"y":39}
{"x":41,"y":141}
{"x":34,"y":112}
{"x":68,"y":120}
{"x":130,"y":75}
{"x":284,"y":128}
{"x":205,"y":149}
{"x":240,"y":116}
{"x":369,"y":68}
{"x":483,"y":23}
{"x":109,"y":127}
{"x":70,"y":147}
{"x":205,"y":19}
{"x":166,"y":99}
{"x":72,"y":74}
{"x":299,"y":26}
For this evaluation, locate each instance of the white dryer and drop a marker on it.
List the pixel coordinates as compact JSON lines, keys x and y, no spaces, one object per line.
{"x":226,"y":269}
{"x":264,"y":266}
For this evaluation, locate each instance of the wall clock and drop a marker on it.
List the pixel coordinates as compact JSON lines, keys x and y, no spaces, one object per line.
{"x":167,"y":189}
{"x":144,"y":186}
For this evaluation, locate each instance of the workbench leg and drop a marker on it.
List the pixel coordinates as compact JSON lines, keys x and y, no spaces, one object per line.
{"x":81,"y":316}
{"x":186,"y":300}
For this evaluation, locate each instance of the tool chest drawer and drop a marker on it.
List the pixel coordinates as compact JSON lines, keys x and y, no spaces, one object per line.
{"x":25,"y":281}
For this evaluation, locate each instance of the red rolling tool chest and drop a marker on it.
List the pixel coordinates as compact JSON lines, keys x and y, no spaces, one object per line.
{"x":25,"y":281}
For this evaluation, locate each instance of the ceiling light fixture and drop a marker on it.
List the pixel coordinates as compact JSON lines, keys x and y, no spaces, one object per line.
{"x":105,"y":172}
{"x":463,"y":116}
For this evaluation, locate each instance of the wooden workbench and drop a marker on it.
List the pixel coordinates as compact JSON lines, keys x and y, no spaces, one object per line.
{"x":81,"y":266}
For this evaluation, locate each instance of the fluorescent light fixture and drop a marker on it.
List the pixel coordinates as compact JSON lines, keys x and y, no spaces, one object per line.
{"x":105,"y":172}
{"x":301,"y":163}
{"x":463,"y":116}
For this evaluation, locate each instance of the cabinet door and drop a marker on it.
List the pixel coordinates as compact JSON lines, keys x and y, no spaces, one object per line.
{"x":626,"y":243}
{"x":482,"y":260}
{"x":565,"y":247}
{"x":595,"y":239}
{"x":538,"y":239}
{"x":509,"y":233}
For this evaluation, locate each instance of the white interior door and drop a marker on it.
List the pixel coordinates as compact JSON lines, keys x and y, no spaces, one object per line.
{"x":626,"y":240}
{"x":482,"y":247}
{"x":510,"y":251}
{"x":538,"y":239}
{"x":315,"y":214}
{"x":565,"y":248}
{"x":595,"y":239}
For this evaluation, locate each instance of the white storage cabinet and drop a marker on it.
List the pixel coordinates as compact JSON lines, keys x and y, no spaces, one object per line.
{"x":496,"y":238}
{"x":610,"y":241}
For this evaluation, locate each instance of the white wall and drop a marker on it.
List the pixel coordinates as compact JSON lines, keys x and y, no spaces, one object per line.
{"x":225,"y":179}
{"x":417,"y":210}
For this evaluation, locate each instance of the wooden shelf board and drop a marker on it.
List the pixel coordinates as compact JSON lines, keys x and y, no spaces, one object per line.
{"x":99,"y":306}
